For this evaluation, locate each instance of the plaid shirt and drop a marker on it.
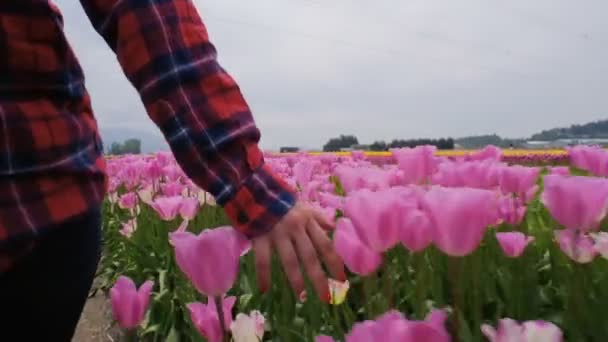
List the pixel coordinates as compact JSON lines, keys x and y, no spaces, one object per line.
{"x":51,"y":163}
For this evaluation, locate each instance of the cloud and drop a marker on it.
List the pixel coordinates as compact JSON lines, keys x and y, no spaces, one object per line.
{"x":385,"y":69}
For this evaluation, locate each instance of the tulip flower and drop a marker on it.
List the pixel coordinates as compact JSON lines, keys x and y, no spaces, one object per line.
{"x":416,"y":234}
{"x":513,"y":243}
{"x":172,"y":172}
{"x":517,"y":179}
{"x":417,"y":164}
{"x":459,"y":217}
{"x":511,"y":210}
{"x":600,"y":244}
{"x":146,"y":194}
{"x":576,"y":202}
{"x":338,"y":291}
{"x":128,"y":228}
{"x":211,"y":259}
{"x":128,"y":201}
{"x":171,"y":189}
{"x":129,"y":304}
{"x":303,"y":171}
{"x":559,"y":170}
{"x":357,"y":256}
{"x":576,"y":245}
{"x":374,"y":217}
{"x":530,"y":331}
{"x":248,"y":328}
{"x":590,"y":158}
{"x":188,"y":208}
{"x":206,"y":319}
{"x":167,"y":207}
{"x":393,"y":326}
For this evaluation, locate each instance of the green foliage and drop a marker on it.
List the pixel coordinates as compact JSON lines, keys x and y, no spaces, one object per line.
{"x":343,"y":141}
{"x":480,"y":288}
{"x":129,"y":146}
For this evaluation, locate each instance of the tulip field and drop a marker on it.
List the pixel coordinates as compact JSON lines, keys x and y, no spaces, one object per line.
{"x":483,"y":246}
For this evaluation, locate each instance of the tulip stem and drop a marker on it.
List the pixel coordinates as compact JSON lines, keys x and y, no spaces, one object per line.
{"x":220,"y":314}
{"x":131,"y":335}
{"x":454,"y":268}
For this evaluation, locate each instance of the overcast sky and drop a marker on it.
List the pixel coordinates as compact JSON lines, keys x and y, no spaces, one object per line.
{"x":383,"y":69}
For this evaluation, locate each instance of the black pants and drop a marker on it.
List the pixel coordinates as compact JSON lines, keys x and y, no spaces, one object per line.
{"x":42,"y":298}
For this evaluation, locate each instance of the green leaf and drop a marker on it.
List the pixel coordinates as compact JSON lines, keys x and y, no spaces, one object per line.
{"x":173,"y":336}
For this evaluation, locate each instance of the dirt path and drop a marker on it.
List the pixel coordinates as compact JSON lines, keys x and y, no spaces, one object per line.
{"x":96,"y":321}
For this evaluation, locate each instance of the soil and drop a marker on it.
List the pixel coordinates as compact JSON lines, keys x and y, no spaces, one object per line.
{"x":96,"y":324}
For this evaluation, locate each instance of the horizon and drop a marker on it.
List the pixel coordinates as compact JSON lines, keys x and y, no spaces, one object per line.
{"x":311,"y":70}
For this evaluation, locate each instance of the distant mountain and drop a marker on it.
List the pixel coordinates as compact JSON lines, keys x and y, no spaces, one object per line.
{"x":150,"y":142}
{"x":592,"y":130}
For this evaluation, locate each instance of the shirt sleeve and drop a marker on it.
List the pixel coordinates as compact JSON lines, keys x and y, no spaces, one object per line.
{"x":164,"y":49}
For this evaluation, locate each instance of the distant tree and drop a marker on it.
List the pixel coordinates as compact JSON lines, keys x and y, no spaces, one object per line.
{"x":132,"y":146}
{"x":343,"y":141}
{"x":129,"y":146}
{"x":378,"y":146}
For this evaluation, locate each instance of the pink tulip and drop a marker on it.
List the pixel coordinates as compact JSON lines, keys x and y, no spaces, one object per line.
{"x":146,"y":194}
{"x":153,"y":170}
{"x":517,"y":179}
{"x":393,"y":326}
{"x":576,"y":202}
{"x":474,"y":174}
{"x":375,"y":218}
{"x":489,"y":152}
{"x":211,"y":259}
{"x":530,"y":331}
{"x":248,"y":328}
{"x":206,"y":320}
{"x":167,"y":207}
{"x":359,"y":258}
{"x":303,"y":171}
{"x":590,"y":158}
{"x":576,"y":245}
{"x":353,"y":179}
{"x":129,"y":304}
{"x":417,"y":164}
{"x":188,"y":208}
{"x":171,"y":189}
{"x":416,"y":234}
{"x":172,"y":172}
{"x":511,"y":210}
{"x":128,"y":200}
{"x":128,"y":228}
{"x":513,"y":243}
{"x":600,"y":244}
{"x":459,"y":217}
{"x":559,"y":170}
{"x":331,"y":200}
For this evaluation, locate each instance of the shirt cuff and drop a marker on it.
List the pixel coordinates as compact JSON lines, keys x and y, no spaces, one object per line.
{"x":260,"y":202}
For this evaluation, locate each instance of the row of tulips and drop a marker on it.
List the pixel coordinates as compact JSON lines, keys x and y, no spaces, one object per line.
{"x":522,"y":157}
{"x":457,"y":245}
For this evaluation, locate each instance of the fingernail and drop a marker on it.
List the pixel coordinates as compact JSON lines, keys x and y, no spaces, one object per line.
{"x":328,"y":297}
{"x":303,"y":296}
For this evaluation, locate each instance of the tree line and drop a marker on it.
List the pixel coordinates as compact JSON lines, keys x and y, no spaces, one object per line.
{"x":129,"y":146}
{"x":351,"y":141}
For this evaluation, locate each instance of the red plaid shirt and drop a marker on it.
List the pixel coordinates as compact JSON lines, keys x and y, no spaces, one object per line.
{"x":51,"y":163}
